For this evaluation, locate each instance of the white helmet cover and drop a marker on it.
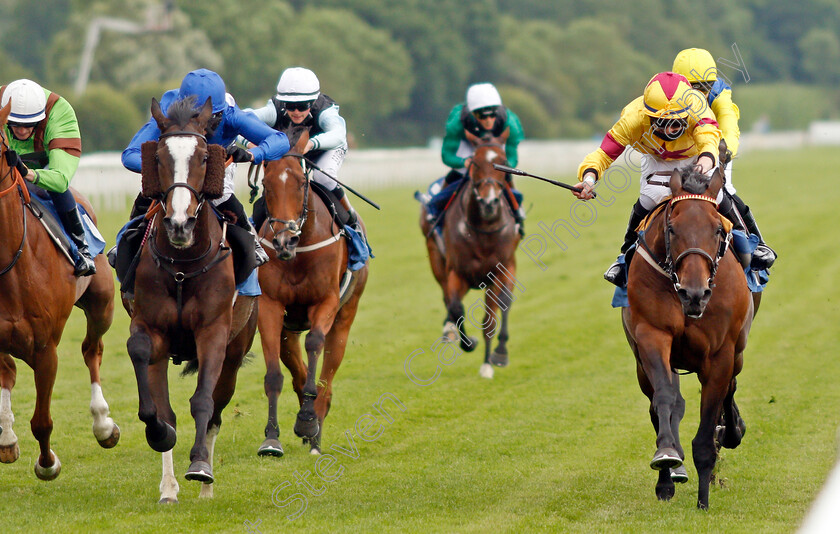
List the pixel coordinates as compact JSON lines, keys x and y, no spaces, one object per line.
{"x":28,"y":101}
{"x":298,"y":84}
{"x":482,"y":95}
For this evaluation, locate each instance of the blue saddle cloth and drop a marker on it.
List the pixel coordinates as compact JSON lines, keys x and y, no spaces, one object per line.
{"x":743,"y":244}
{"x":358,"y":249}
{"x":95,"y":241}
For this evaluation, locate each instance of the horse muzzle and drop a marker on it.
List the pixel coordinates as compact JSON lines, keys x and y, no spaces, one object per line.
{"x":694,"y":300}
{"x":286,"y":246}
{"x":180,"y":234}
{"x":488,"y":208}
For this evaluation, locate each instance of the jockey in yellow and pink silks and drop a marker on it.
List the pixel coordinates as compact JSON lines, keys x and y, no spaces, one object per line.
{"x":671,"y":126}
{"x":699,"y":67}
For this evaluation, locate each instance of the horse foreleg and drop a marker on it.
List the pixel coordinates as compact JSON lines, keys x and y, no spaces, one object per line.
{"x":714,"y":387}
{"x":489,"y":327}
{"x":321,"y":318}
{"x":107,"y":433}
{"x":734,"y":427}
{"x":271,"y":330}
{"x":48,"y":466}
{"x":453,"y":328}
{"x":504,"y":299}
{"x":210,"y":346}
{"x":168,"y":482}
{"x":206,"y":491}
{"x":9,"y":449}
{"x":159,"y":435}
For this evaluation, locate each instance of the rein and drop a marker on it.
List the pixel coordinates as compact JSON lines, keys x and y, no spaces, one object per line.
{"x":23,"y":192}
{"x":669,"y":266}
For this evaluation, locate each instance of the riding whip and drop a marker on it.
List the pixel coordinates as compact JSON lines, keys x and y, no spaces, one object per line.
{"x":511,"y":170}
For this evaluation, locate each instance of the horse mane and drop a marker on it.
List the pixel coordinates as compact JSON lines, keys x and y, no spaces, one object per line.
{"x":293,"y":132}
{"x":182,"y":111}
{"x":694,"y":182}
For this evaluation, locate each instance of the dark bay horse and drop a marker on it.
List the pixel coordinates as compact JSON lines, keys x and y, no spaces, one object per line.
{"x":479,"y":242}
{"x":301,"y":291}
{"x":675,"y":321}
{"x":37,"y":293}
{"x":185,"y":300}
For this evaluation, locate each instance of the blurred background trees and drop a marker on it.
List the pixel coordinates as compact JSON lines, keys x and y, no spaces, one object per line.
{"x":396,"y":67}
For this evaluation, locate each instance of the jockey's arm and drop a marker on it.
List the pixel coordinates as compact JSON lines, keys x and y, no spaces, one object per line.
{"x":334,"y":132}
{"x":516,"y":136}
{"x":61,"y":169}
{"x":727,"y":114}
{"x":64,"y":148}
{"x":271,"y":144}
{"x":452,"y":140}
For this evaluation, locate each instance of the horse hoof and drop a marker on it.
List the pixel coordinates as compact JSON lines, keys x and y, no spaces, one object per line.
{"x":469,"y":344}
{"x":666,"y":458}
{"x":48,"y":473}
{"x":9,"y":453}
{"x":665,"y":493}
{"x":168,"y":500}
{"x":679,"y":475}
{"x":200,"y":471}
{"x":306,"y":428}
{"x":450,"y":332}
{"x":499,"y":359}
{"x":166,"y":443}
{"x":486,"y":371}
{"x":111,"y":441}
{"x":315,"y":451}
{"x":270,"y":447}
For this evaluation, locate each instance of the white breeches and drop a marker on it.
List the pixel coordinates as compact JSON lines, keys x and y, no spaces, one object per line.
{"x":330,"y":162}
{"x":656,"y":176}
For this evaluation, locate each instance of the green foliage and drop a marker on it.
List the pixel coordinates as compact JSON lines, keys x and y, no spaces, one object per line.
{"x":26,"y":31}
{"x":820,"y":49}
{"x":12,"y":70}
{"x":107,"y":118}
{"x":787,"y":106}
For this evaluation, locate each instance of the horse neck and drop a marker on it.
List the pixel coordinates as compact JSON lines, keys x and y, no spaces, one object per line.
{"x":11,"y":216}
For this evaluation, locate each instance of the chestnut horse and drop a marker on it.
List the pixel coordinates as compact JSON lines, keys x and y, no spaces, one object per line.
{"x":479,"y":242}
{"x":300,"y":291}
{"x":675,"y":321}
{"x":185,"y":300}
{"x":37,"y":293}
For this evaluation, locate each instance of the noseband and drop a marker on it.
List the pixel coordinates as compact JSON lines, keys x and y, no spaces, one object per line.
{"x":672,"y":265}
{"x":296,"y":226}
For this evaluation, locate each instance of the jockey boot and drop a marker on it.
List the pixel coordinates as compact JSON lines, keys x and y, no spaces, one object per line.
{"x":728,"y":209}
{"x":616,"y":273}
{"x":763,"y":256}
{"x":72,"y":222}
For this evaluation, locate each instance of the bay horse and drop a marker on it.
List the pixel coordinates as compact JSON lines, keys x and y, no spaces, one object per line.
{"x":185,"y":300}
{"x":477,"y":252}
{"x":675,"y":321}
{"x":301,"y":291}
{"x":37,"y":293}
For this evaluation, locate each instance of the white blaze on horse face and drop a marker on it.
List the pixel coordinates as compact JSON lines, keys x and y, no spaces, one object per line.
{"x":284,"y":175}
{"x":181,"y":148}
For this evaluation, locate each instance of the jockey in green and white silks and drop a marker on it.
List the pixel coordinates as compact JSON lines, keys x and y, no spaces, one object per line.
{"x":43,"y":136}
{"x":482,"y":115}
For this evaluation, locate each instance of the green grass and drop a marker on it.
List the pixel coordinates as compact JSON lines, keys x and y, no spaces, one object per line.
{"x":559,"y":441}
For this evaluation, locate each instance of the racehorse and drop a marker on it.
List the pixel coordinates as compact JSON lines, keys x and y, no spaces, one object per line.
{"x":37,"y":293}
{"x":479,"y":243}
{"x":301,"y":291}
{"x":675,"y":321}
{"x":185,"y":301}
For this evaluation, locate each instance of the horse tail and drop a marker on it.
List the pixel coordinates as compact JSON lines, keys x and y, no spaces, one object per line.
{"x":190,"y":368}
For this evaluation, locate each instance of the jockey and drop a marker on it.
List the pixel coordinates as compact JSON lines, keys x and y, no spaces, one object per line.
{"x":670,"y":129}
{"x":228,"y":122}
{"x":483,"y":115}
{"x":43,"y":133}
{"x":299,"y":100}
{"x":698,"y":66}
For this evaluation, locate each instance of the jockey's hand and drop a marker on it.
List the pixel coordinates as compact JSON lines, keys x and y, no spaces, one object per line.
{"x":467,"y":163}
{"x":239,"y":154}
{"x":14,"y":160}
{"x":704,"y":164}
{"x":309,"y":146}
{"x":584,"y":189}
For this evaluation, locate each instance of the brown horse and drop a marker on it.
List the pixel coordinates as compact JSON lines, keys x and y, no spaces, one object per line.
{"x":185,"y":301}
{"x":37,"y":293}
{"x":675,"y":321}
{"x":301,"y":291}
{"x":479,"y":243}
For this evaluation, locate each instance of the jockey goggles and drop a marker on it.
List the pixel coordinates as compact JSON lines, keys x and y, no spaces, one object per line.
{"x":661,"y":128}
{"x":485,"y":113}
{"x":703,"y":87}
{"x":297,"y":106}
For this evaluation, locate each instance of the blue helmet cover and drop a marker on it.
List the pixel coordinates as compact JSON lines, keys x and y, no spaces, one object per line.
{"x":203,"y":83}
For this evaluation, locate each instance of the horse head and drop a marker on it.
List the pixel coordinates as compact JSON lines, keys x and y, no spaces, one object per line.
{"x":286,"y":188}
{"x":180,"y":169}
{"x":488,"y":183}
{"x":695,"y":238}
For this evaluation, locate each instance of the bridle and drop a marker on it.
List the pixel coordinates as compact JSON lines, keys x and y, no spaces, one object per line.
{"x":294,"y":227}
{"x":670,"y":266}
{"x":198,"y":194}
{"x":477,"y":184}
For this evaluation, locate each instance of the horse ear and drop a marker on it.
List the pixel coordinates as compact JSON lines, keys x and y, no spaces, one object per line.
{"x":214,"y":173}
{"x":676,"y":181}
{"x":157,"y":114}
{"x":205,"y":112}
{"x":471,"y":138}
{"x":302,"y":140}
{"x":502,"y":139}
{"x":715,"y":184}
{"x":149,"y":170}
{"x":4,"y":113}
